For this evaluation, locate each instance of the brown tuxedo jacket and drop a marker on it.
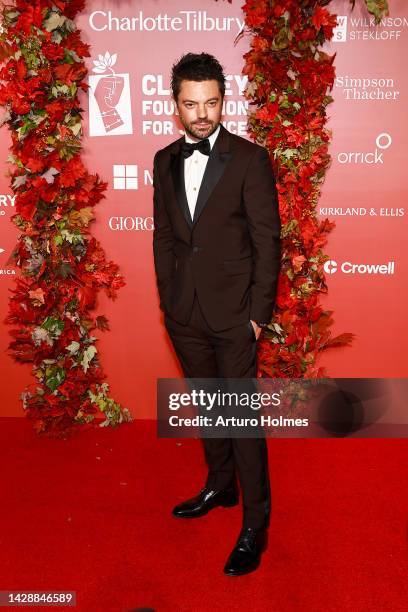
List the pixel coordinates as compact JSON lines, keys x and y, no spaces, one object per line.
{"x":229,"y":253}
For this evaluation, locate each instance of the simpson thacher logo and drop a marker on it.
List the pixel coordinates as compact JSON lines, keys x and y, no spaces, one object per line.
{"x":110,"y":111}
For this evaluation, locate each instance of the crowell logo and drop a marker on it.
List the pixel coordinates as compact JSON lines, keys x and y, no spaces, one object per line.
{"x":109,"y":99}
{"x":331,"y":267}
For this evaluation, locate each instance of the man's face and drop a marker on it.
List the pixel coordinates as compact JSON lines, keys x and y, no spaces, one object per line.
{"x":199,"y":104}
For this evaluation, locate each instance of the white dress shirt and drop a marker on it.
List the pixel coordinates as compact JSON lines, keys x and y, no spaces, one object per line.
{"x":194,"y":167}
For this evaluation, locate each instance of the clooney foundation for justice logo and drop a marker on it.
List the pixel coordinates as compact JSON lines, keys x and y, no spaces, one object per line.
{"x":109,"y":99}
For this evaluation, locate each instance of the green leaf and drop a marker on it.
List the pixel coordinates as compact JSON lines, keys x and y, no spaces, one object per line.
{"x":73,"y":347}
{"x":378,"y":8}
{"x":56,"y":37}
{"x":76,"y":127}
{"x":54,"y":21}
{"x":88,"y":355}
{"x":70,"y":25}
{"x":72,"y":237}
{"x":289,"y":153}
{"x":19,"y":180}
{"x":64,"y":269}
{"x":68,"y":59}
{"x":54,"y":377}
{"x":49,"y":174}
{"x":53,"y":325}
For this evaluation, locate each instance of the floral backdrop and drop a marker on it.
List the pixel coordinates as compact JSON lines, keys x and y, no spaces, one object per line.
{"x":63,"y":267}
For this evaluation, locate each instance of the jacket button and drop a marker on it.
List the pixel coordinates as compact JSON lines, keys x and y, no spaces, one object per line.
{"x":196,"y":249}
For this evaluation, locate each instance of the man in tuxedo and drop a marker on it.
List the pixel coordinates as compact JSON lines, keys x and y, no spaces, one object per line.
{"x":216,"y":245}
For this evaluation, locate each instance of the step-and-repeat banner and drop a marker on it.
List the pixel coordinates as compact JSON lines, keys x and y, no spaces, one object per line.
{"x":133,"y":45}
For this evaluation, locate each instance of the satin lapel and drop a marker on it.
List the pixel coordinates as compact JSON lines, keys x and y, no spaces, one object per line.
{"x":177,"y":171}
{"x":217,"y":162}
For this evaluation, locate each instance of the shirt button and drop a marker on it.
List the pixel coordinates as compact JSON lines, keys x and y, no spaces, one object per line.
{"x":196,"y":161}
{"x":195,"y":188}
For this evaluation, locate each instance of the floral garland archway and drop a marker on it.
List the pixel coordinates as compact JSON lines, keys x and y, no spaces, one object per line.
{"x":63,"y":266}
{"x":289,"y":83}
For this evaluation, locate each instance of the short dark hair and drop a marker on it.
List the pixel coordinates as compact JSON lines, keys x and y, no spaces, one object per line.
{"x":196,"y":67}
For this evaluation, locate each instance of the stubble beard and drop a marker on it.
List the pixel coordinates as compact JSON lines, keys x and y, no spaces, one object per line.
{"x":201,"y":134}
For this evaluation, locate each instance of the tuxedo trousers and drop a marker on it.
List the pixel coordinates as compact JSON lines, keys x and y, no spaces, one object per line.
{"x":231,"y":353}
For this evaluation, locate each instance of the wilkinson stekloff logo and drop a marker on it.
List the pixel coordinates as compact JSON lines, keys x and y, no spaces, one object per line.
{"x":365,"y":29}
{"x":110,"y":111}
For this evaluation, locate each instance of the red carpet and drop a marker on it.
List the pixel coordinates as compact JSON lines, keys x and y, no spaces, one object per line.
{"x":92,"y":514}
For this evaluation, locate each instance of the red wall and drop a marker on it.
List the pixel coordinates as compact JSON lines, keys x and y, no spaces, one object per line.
{"x":372,"y":305}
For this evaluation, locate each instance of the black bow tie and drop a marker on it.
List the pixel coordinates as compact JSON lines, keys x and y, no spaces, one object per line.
{"x":188,"y":148}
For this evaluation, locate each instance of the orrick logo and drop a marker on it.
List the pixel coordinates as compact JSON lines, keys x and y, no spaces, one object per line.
{"x":382,"y":142}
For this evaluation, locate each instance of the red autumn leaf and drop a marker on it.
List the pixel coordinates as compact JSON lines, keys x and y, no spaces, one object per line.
{"x":30,"y":15}
{"x":20,"y":106}
{"x":71,"y":172}
{"x":37,"y":295}
{"x":267,"y":113}
{"x":35,"y":164}
{"x":56,"y":110}
{"x":21,"y":69}
{"x":74,"y":42}
{"x":320,"y":17}
{"x":53,"y":51}
{"x":69,"y":73}
{"x":298,"y":262}
{"x":345,"y":339}
{"x":87,"y":296}
{"x":102,"y":323}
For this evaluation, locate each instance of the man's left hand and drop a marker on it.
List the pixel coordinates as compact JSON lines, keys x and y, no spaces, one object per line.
{"x":257,"y":329}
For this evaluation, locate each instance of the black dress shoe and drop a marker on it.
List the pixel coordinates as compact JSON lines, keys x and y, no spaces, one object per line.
{"x":206,"y":500}
{"x":246,"y":554}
